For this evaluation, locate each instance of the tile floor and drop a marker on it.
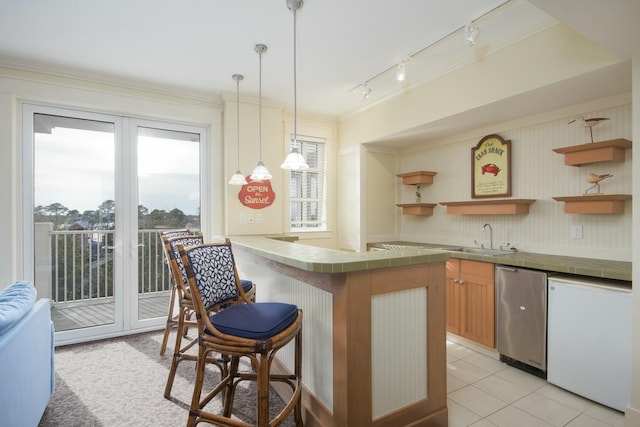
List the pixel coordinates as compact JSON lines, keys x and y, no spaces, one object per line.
{"x":482,"y":391}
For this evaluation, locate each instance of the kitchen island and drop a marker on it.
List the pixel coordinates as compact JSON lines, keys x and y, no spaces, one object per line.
{"x":374,"y":338}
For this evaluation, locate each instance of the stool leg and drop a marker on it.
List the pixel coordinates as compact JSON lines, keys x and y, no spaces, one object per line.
{"x":170,"y":321}
{"x":263,"y":390}
{"x":176,"y":354}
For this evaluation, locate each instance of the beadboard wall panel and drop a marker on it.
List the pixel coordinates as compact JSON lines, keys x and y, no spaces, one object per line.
{"x":317,"y":310}
{"x":537,"y":173}
{"x":399,"y":374}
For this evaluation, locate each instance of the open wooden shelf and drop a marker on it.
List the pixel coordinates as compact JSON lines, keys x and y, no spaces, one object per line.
{"x":489,"y":207}
{"x":604,"y":151}
{"x":417,"y":177}
{"x":417,"y":208}
{"x":594,"y":203}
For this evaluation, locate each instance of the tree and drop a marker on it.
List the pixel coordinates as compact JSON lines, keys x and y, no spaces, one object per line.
{"x":56,"y":211}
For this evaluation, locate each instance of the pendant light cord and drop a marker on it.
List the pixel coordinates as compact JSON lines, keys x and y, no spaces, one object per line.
{"x":238,"y":116}
{"x":295,"y":85}
{"x":260,"y":104}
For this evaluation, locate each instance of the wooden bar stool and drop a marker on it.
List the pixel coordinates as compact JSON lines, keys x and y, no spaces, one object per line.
{"x":256,"y":330}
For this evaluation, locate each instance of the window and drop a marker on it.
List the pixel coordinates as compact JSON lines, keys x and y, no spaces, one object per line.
{"x":307,"y":191}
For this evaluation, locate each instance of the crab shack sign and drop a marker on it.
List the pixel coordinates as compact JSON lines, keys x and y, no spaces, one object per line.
{"x":257,"y":194}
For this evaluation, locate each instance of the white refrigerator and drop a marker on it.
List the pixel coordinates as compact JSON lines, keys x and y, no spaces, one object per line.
{"x":589,"y":338}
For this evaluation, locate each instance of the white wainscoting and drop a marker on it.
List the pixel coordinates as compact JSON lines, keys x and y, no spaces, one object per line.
{"x":317,"y":308}
{"x":399,"y":349}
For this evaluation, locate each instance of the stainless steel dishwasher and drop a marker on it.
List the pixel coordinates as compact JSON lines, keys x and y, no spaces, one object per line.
{"x":521,"y":318}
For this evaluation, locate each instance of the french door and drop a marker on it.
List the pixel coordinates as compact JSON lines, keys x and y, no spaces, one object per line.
{"x":97,"y":189}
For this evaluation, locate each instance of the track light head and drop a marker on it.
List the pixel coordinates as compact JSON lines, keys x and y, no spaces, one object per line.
{"x":470,"y":34}
{"x":366,"y":91}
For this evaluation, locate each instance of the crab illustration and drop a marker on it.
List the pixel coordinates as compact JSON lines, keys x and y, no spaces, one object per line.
{"x":490,"y":168}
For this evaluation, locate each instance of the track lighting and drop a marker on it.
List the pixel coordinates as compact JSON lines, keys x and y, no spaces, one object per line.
{"x":366,"y":91}
{"x":401,"y":72}
{"x":470,"y":34}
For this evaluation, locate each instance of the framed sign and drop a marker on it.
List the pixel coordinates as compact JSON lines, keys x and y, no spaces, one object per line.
{"x":257,"y":194}
{"x":491,"y":168}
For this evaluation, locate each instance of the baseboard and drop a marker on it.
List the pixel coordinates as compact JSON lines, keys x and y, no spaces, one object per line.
{"x":631,"y":417}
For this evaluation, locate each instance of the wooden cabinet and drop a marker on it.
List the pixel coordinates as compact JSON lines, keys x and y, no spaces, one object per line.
{"x":470,"y":307}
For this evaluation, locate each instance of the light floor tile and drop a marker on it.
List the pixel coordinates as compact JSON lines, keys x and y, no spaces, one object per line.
{"x":511,"y":416}
{"x":586,"y":421}
{"x":458,"y":351}
{"x":523,"y":379}
{"x":466,"y":372}
{"x":459,"y":416}
{"x":486,"y":363}
{"x":549,"y":410}
{"x":483,"y":423}
{"x":454,"y":383}
{"x":478,"y":383}
{"x":476,"y":400}
{"x":565,"y":397}
{"x":501,"y":388}
{"x":606,"y":415}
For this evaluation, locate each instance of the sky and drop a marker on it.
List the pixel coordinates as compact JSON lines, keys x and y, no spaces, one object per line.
{"x":75,"y":167}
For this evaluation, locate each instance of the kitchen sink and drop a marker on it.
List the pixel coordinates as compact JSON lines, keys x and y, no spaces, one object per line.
{"x":479,"y":251}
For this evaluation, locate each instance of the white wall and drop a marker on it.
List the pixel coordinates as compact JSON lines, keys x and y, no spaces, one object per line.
{"x":277,"y":126}
{"x":537,"y":173}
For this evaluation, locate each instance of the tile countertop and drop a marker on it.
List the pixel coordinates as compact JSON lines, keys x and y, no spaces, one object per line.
{"x":322,"y":260}
{"x":618,"y":270}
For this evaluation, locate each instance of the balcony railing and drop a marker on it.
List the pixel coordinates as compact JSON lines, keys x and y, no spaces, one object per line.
{"x":78,"y":266}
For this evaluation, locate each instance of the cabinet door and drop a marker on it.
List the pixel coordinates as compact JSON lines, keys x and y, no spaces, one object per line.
{"x":453,"y":304}
{"x":477,"y":309}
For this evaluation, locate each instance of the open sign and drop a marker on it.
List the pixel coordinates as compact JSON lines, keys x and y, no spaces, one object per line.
{"x":257,"y":194}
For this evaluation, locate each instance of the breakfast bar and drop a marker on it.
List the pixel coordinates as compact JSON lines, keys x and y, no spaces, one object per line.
{"x":374,"y":334}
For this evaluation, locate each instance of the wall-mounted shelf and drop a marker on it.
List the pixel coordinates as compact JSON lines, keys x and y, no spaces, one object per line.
{"x":594,"y":203}
{"x":604,"y":151}
{"x":417,"y":177}
{"x":417,"y":208}
{"x":489,"y":207}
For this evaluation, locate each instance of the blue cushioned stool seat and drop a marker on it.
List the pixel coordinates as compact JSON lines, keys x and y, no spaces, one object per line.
{"x":246,"y":284}
{"x":255,"y":321}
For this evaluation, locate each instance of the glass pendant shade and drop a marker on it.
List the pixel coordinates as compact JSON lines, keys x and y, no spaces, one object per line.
{"x":238,"y":179}
{"x":294,"y":161}
{"x":260,"y":172}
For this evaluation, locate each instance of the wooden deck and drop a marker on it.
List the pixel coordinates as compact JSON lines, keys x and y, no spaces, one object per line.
{"x":78,"y":315}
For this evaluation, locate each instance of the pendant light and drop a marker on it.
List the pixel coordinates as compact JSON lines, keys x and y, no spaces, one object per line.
{"x":294,"y":160}
{"x":238,"y":178}
{"x":260,"y":173}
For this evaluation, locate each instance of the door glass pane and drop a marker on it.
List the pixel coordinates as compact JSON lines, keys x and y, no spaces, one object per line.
{"x":74,"y":219}
{"x":168,"y":198}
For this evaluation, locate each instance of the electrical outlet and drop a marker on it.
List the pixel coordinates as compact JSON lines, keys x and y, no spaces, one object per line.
{"x":456,"y":227}
{"x":252,"y":219}
{"x":576,"y":231}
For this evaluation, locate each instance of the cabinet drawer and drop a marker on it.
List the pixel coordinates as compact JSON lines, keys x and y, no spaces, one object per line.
{"x":477,"y":268}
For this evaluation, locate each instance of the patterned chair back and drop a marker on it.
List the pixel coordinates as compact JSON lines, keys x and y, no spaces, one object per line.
{"x":212,"y":266}
{"x":176,"y":233}
{"x":173,"y":254}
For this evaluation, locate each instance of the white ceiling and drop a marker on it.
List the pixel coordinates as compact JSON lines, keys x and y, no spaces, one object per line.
{"x":195,"y":46}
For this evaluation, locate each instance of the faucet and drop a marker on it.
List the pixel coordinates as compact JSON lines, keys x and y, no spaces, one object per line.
{"x":490,"y":234}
